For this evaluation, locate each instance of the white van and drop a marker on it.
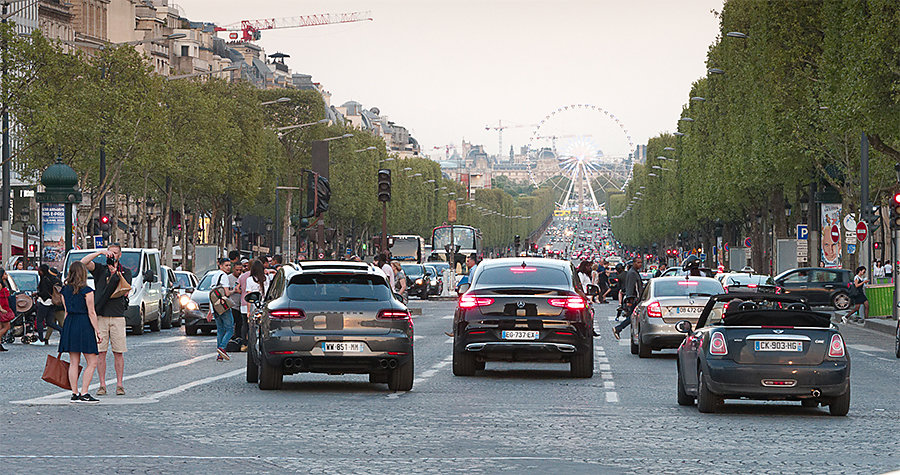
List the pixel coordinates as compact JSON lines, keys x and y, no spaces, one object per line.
{"x":146,"y":296}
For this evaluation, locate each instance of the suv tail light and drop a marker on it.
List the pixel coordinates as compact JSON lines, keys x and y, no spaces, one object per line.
{"x":836,"y":348}
{"x":717,"y":344}
{"x":471,"y":301}
{"x":287,"y":314}
{"x":654,"y":310}
{"x":569,"y":303}
{"x":390,"y":314}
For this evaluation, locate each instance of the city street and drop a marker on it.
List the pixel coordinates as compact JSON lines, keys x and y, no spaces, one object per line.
{"x":184,"y":412}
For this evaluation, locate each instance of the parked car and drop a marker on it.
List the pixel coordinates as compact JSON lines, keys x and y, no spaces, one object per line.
{"x":146,"y":293}
{"x":764,"y":346}
{"x":437,"y":281}
{"x":666,"y":301}
{"x":171,"y":305}
{"x":197,"y":308}
{"x":523,"y":309}
{"x":331,"y":317}
{"x":417,"y":282}
{"x":817,"y":286}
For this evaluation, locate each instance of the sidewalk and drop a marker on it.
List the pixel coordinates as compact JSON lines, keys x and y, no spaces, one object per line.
{"x":881,"y":324}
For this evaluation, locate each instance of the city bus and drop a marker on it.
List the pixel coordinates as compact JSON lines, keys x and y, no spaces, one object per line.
{"x":408,"y":248}
{"x":466,"y":237}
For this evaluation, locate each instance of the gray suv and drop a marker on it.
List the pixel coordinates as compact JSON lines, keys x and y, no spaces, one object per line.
{"x":330,"y":317}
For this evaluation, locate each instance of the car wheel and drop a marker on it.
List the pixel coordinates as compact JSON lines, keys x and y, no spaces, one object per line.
{"x":154,"y":325}
{"x":582,"y":364}
{"x":138,"y":329}
{"x":190,"y":330}
{"x":840,"y":405}
{"x":684,"y":399}
{"x":378,"y":378}
{"x":840,"y":301}
{"x":178,"y":321}
{"x":809,"y":403}
{"x":270,"y":377}
{"x":425,"y":294}
{"x":207,"y":331}
{"x":167,"y":322}
{"x":401,"y":379}
{"x":252,"y":367}
{"x":464,"y":364}
{"x":634,"y":347}
{"x":707,"y":401}
{"x":644,"y":350}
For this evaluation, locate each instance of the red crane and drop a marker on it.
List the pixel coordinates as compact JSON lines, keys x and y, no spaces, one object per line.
{"x":249,"y":30}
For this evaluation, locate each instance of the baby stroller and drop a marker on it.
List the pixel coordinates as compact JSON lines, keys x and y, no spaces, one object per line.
{"x":24,"y":325}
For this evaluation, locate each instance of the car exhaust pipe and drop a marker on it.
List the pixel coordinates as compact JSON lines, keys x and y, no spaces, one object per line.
{"x":288,"y":363}
{"x":816,"y":393}
{"x":392,"y":364}
{"x":383,"y":363}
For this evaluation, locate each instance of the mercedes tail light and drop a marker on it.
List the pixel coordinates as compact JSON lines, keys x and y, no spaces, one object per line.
{"x":717,"y":344}
{"x":287,"y":314}
{"x":569,"y":303}
{"x":836,"y":348}
{"x":472,"y":301}
{"x":389,"y":314}
{"x":654,"y":310}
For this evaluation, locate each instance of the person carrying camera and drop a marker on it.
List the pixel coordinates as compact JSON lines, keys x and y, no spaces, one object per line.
{"x":110,"y":311}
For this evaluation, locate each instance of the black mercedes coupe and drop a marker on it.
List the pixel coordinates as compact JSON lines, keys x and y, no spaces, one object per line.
{"x":763,"y":347}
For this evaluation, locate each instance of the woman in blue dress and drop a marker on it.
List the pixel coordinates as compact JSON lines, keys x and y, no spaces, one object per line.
{"x":79,"y":334}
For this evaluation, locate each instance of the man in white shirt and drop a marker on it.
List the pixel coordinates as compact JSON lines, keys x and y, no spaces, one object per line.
{"x":382,"y":263}
{"x":888,"y":269}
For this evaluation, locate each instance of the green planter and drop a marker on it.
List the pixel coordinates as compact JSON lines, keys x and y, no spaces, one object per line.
{"x":881,"y":297}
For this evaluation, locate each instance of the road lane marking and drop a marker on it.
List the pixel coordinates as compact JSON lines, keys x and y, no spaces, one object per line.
{"x":612,"y":396}
{"x":609,"y":385}
{"x":606,"y":375}
{"x":447,"y":317}
{"x":860,"y":347}
{"x":164,"y":340}
{"x":142,"y":374}
{"x":624,"y":342}
{"x":424,"y":376}
{"x":417,"y":337}
{"x":602,"y":359}
{"x":604,"y":367}
{"x":448,"y":340}
{"x":199,"y":382}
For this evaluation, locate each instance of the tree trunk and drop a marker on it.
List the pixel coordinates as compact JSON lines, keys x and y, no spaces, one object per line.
{"x":287,"y":242}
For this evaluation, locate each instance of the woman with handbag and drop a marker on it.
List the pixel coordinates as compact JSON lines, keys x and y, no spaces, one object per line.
{"x":7,"y":315}
{"x":80,"y":333}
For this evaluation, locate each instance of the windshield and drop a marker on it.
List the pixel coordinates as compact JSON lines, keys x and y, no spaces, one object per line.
{"x":517,"y":276}
{"x":465,"y":237}
{"x":405,"y":248}
{"x":686,"y":288}
{"x":25,"y":281}
{"x":130,"y":259}
{"x":413,"y":270}
{"x":206,"y":282}
{"x":182,"y":281}
{"x":338,"y":287}
{"x":741,"y":280}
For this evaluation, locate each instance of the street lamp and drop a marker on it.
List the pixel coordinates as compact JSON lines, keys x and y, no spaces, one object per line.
{"x":280,"y":100}
{"x":660,"y":157}
{"x":678,"y":134}
{"x":205,"y":73}
{"x":698,"y":99}
{"x":685,"y":119}
{"x":329,"y":139}
{"x":370,"y":148}
{"x":737,"y":34}
{"x":297,"y":126}
{"x":715,"y":71}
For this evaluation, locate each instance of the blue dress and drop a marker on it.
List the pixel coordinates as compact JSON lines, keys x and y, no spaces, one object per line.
{"x":78,"y":335}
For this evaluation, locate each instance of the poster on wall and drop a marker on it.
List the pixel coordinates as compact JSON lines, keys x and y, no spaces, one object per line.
{"x":53,"y":227}
{"x":831,"y":244}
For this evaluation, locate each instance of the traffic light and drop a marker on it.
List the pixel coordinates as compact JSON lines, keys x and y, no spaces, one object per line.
{"x":32,"y":248}
{"x":517,"y":242}
{"x":895,"y":210}
{"x":104,"y":226}
{"x":384,"y":185}
{"x":877,"y":245}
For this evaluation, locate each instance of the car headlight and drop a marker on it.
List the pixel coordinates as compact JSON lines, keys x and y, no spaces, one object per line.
{"x":419,"y":282}
{"x":191,"y":305}
{"x":184,"y":299}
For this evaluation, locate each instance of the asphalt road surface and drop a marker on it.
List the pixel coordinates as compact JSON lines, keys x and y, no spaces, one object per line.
{"x":186,"y":413}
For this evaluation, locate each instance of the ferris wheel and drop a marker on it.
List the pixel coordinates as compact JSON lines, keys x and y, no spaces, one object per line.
{"x":577,"y":146}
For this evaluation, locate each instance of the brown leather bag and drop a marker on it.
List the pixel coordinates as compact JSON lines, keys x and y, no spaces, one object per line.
{"x":56,"y":371}
{"x":122,"y":288}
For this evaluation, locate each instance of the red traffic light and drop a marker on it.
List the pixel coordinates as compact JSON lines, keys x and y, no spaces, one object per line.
{"x":896,"y":199}
{"x":32,"y":248}
{"x":104,"y":219}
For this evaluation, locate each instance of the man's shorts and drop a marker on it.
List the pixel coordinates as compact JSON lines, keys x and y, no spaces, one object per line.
{"x":112,"y":329}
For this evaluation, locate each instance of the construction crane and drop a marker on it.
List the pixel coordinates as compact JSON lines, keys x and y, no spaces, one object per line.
{"x":499,"y":128}
{"x":249,"y":30}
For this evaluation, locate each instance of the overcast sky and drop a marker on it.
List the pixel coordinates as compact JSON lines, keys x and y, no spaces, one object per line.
{"x":446,"y":69}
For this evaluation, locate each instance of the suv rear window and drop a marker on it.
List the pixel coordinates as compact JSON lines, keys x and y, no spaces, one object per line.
{"x":516,"y":275}
{"x":338,"y":287}
{"x":684,"y":288}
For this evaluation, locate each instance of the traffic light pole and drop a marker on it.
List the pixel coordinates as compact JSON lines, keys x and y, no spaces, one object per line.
{"x":384,"y":238}
{"x":895,"y":231}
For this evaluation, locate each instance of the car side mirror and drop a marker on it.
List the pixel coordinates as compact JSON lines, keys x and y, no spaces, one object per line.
{"x":189,"y":290}
{"x":683,"y":326}
{"x":149,"y":276}
{"x":463,"y":288}
{"x":253,"y":297}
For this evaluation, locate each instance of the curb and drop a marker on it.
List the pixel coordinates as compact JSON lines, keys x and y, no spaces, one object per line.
{"x":881,"y":325}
